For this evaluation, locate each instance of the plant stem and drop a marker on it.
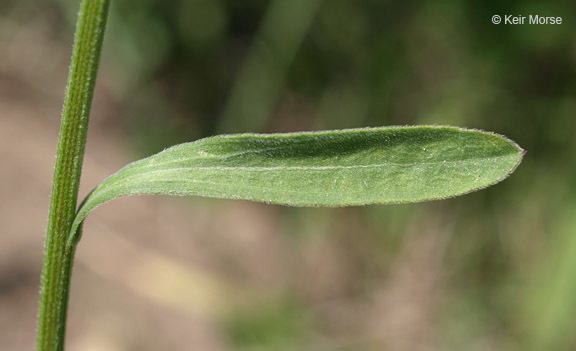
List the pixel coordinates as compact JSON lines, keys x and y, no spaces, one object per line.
{"x":58,"y":256}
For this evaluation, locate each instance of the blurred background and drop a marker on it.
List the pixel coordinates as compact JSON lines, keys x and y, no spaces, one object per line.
{"x":494,"y":270}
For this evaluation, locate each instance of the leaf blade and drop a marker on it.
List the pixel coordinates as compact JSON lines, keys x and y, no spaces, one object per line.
{"x":330,"y":168}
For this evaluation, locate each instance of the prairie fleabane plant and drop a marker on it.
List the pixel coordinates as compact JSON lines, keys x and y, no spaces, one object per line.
{"x":329,"y":168}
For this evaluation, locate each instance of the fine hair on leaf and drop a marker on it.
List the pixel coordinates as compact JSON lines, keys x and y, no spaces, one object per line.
{"x":388,"y":165}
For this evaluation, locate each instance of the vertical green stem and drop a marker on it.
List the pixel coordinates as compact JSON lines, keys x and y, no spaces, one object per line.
{"x":58,"y":256}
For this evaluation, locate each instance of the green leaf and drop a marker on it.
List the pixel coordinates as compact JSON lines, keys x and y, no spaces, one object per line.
{"x":329,"y":168}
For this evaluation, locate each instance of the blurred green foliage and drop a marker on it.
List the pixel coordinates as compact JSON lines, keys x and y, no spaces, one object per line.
{"x":275,"y":325}
{"x":186,"y":69}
